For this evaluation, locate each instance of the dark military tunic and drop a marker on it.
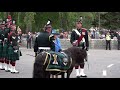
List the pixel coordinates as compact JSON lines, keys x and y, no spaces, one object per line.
{"x":6,"y":42}
{"x":6,"y":32}
{"x":1,"y":49}
{"x":44,"y":39}
{"x":1,"y":43}
{"x":118,"y":39}
{"x":75,"y":36}
{"x":13,"y":49}
{"x":2,"y":36}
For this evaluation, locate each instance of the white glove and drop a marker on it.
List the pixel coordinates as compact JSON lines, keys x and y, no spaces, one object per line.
{"x":15,"y":51}
{"x":75,"y":42}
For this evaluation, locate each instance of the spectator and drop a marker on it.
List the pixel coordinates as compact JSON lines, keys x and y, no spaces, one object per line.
{"x":118,"y":38}
{"x":57,"y":42}
{"x":29,"y":40}
{"x":108,"y":41}
{"x":66,"y":35}
{"x":61,"y":36}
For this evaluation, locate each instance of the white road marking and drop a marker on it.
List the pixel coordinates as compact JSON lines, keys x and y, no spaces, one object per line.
{"x":104,"y":73}
{"x":110,"y":65}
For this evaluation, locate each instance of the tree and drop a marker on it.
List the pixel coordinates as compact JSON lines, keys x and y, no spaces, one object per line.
{"x":88,"y":17}
{"x":29,"y":20}
{"x":3,"y":15}
{"x":63,"y":16}
{"x":35,"y":21}
{"x":95,"y":22}
{"x":111,"y":20}
{"x":41,"y":19}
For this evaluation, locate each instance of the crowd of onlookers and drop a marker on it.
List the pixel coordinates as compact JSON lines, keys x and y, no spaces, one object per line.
{"x":64,"y":35}
{"x":93,"y":34}
{"x":108,"y":35}
{"x":101,"y":34}
{"x":30,"y":37}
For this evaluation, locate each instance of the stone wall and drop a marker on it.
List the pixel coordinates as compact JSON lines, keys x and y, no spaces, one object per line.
{"x":101,"y":44}
{"x":94,"y":43}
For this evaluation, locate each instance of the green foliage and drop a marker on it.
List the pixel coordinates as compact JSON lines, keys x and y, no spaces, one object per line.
{"x":41,"y":19}
{"x":111,"y":20}
{"x":35,"y":21}
{"x":29,"y":20}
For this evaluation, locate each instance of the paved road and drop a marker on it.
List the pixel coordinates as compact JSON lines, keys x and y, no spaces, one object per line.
{"x":24,"y":66}
{"x":102,"y":64}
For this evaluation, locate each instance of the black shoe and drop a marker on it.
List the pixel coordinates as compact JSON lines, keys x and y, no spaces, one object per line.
{"x":7,"y":70}
{"x":2,"y":69}
{"x":83,"y":76}
{"x":15,"y":72}
{"x":77,"y":76}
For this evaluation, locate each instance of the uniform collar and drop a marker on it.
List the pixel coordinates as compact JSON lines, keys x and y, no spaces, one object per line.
{"x":79,"y":29}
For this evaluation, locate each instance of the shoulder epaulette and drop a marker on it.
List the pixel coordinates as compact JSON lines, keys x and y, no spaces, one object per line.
{"x":51,"y":35}
{"x":36,"y":35}
{"x":84,"y":29}
{"x":74,"y":29}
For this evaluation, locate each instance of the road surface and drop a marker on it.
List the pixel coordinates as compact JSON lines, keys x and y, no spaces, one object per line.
{"x":102,"y":64}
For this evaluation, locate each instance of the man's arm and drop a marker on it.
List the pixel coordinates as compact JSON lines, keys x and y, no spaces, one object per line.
{"x":86,"y":39}
{"x":59,"y":44}
{"x":52,"y":42}
{"x":72,"y":38}
{"x":35,"y":45}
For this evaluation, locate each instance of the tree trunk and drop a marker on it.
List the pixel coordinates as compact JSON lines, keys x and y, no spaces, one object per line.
{"x":18,"y":18}
{"x":27,"y":28}
{"x":5,"y":15}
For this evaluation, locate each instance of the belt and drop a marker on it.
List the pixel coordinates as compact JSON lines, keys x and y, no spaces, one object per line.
{"x":5,"y":39}
{"x":44,"y":48}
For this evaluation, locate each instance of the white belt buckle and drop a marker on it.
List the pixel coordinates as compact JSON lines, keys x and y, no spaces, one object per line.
{"x":5,"y":38}
{"x":45,"y":48}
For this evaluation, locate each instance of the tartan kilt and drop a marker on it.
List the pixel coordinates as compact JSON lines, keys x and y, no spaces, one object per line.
{"x":5,"y":51}
{"x":1,"y":50}
{"x":81,"y":45}
{"x":13,"y":56}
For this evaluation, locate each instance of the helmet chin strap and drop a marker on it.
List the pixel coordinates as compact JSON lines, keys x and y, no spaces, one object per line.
{"x":48,"y":22}
{"x":49,"y":31}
